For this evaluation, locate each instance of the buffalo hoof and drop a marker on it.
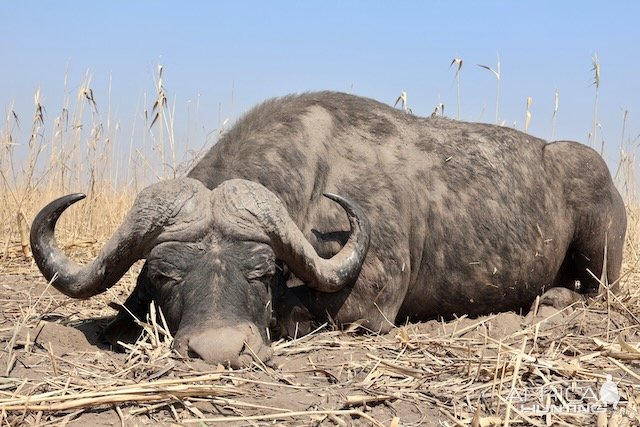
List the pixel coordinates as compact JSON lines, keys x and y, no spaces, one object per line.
{"x":236,"y":346}
{"x":552,"y":306}
{"x":560,"y":298}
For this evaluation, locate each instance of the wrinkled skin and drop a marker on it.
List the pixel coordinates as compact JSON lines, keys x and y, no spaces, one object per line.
{"x":211,"y":263}
{"x":464,"y":218}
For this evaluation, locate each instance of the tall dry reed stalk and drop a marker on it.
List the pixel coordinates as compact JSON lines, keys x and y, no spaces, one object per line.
{"x":80,"y":152}
{"x":595,"y":62}
{"x":554,"y":117}
{"x":496,"y":73}
{"x":163,"y":116}
{"x":402,"y":100}
{"x":527,"y":114}
{"x":458,"y":66}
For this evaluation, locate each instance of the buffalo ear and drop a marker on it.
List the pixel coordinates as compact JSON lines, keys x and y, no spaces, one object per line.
{"x":249,"y":211}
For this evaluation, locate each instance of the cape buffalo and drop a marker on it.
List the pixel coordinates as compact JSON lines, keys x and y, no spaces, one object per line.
{"x":442,"y":218}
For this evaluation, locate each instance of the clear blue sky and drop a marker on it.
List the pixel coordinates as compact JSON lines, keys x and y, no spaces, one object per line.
{"x":250,"y":51}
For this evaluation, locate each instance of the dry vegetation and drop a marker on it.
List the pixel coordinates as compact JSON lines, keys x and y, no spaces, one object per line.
{"x":54,"y":370}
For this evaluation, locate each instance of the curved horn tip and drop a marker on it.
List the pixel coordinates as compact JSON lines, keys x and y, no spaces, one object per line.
{"x":66,"y":201}
{"x":74,"y":197}
{"x":45,"y":220}
{"x":53,"y":210}
{"x":331,"y":196}
{"x":358,"y":245}
{"x":336,"y":198}
{"x":352,"y":208}
{"x":59,"y":205}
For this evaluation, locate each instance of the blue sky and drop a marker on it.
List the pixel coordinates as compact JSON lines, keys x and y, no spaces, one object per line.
{"x":231,"y":55}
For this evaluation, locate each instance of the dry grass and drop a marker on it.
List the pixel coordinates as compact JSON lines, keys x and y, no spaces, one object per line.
{"x":459,"y":373}
{"x":456,"y":372}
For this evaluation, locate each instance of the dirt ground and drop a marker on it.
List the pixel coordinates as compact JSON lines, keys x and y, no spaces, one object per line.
{"x":54,"y":370}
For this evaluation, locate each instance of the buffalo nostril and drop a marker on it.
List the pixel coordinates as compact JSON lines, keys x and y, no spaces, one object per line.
{"x":237,"y":345}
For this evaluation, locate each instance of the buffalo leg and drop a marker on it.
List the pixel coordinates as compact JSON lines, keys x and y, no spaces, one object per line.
{"x":372,"y":302}
{"x":598,"y":213}
{"x":124,"y":327}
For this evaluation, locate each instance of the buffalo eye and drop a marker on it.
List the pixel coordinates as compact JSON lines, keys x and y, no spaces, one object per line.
{"x":161,"y":271}
{"x":259,"y":265}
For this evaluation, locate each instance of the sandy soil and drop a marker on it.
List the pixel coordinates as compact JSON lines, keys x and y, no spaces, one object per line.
{"x":54,"y":370}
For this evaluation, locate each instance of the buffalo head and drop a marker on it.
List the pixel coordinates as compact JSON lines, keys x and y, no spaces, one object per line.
{"x":210,"y":259}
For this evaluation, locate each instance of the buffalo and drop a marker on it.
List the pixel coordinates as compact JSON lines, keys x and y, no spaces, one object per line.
{"x":332,"y":207}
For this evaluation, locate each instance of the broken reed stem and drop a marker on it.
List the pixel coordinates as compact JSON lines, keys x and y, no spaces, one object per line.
{"x":152,"y":390}
{"x":514,"y":380}
{"x":24,"y":240}
{"x":81,"y":401}
{"x":286,"y":415}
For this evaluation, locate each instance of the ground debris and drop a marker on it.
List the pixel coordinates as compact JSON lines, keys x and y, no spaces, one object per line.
{"x":493,"y":370}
